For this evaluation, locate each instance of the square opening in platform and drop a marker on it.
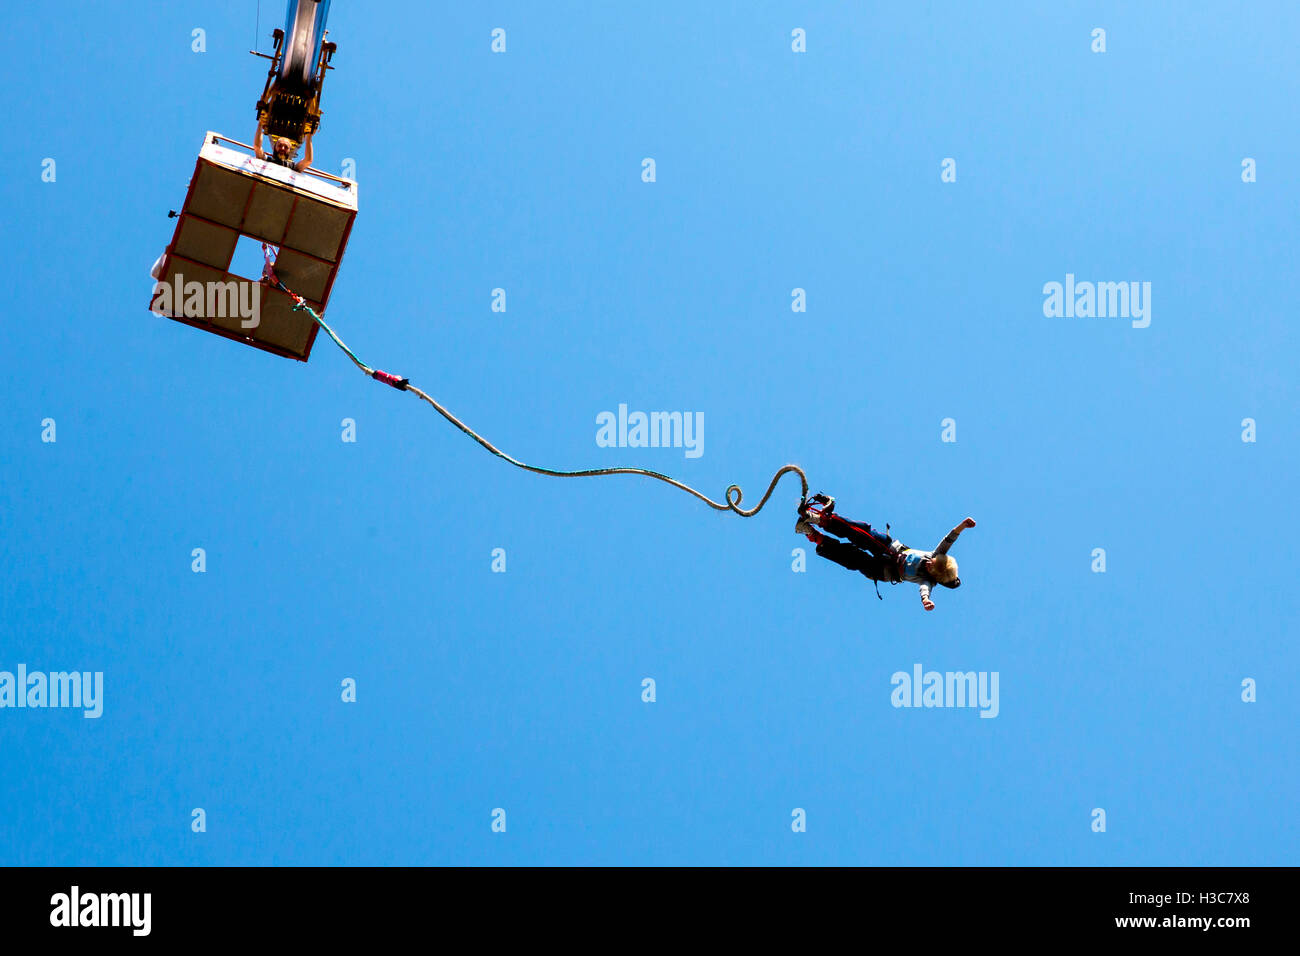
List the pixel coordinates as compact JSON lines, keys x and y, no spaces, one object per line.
{"x":248,"y":260}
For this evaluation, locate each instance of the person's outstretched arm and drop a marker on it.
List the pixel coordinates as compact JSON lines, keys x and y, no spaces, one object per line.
{"x":257,"y":141}
{"x":925,"y":597}
{"x":951,"y":539}
{"x":306,"y":159}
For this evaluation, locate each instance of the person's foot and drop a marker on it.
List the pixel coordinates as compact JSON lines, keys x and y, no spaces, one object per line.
{"x":804,"y":526}
{"x":827,"y":503}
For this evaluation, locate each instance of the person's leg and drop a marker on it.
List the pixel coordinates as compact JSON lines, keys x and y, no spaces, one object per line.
{"x":847,"y":556}
{"x":859,"y":533}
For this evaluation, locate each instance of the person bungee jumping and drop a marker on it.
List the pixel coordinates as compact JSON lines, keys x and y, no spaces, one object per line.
{"x":878,"y":556}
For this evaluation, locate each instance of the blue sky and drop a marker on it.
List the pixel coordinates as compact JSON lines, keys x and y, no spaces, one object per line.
{"x":522,"y":690}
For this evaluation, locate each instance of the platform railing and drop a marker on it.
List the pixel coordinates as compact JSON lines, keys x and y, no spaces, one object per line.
{"x":346,"y":183}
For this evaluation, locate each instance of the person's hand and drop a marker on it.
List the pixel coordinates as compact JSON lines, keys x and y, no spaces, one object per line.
{"x":968,"y":523}
{"x":928,"y":605}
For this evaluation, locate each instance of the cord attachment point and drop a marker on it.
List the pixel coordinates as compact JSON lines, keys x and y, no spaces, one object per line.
{"x":398,"y":383}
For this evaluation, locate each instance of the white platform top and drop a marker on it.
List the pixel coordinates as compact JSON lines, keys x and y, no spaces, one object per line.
{"x":337,"y":193}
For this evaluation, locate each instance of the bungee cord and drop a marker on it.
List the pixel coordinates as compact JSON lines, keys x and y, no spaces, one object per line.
{"x":733,"y":496}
